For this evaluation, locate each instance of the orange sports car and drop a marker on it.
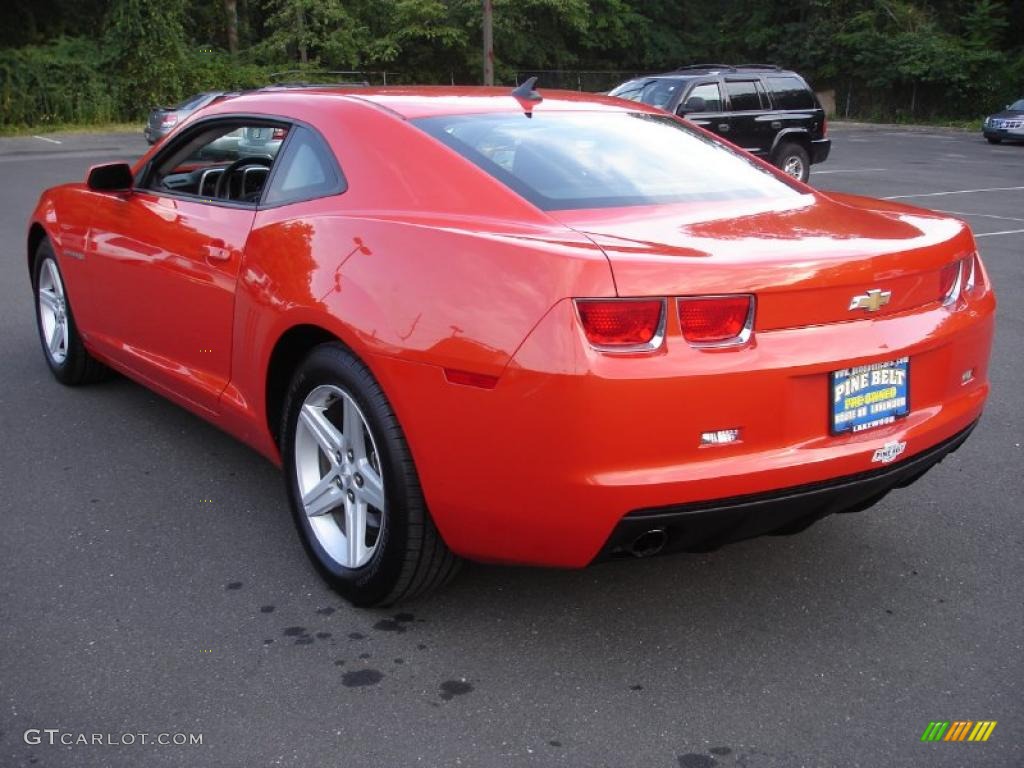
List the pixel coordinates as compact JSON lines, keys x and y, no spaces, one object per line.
{"x":516,"y":327}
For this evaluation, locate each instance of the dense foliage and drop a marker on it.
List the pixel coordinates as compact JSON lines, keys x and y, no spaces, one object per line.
{"x":98,"y":60}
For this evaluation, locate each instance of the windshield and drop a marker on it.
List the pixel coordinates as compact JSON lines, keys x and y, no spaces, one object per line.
{"x":1018,"y":106}
{"x":571,"y":160}
{"x":656,"y":91}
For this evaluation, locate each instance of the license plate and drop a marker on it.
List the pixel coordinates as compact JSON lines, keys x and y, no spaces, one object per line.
{"x":869,"y":395}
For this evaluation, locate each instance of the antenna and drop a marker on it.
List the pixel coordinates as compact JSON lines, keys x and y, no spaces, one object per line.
{"x":525,"y":91}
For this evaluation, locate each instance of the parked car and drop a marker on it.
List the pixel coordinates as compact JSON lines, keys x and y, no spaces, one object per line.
{"x":768,"y":111}
{"x":162,"y":120}
{"x":596,"y":333}
{"x":1007,"y":125}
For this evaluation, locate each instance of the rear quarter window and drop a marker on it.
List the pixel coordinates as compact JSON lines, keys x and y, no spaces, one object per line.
{"x":790,"y":93}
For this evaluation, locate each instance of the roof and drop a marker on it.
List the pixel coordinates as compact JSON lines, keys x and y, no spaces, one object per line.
{"x":429,"y":101}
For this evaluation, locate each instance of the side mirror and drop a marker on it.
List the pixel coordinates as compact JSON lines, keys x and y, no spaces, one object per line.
{"x":693,"y":104}
{"x":111,"y":177}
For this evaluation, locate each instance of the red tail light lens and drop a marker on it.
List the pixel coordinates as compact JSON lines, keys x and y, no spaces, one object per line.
{"x":279,"y":134}
{"x":168,"y":120}
{"x":622,"y":324}
{"x":716,"y":320}
{"x":949,"y":282}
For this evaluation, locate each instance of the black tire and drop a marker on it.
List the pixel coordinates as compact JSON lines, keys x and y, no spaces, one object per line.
{"x":993,"y":140}
{"x":410,"y":558}
{"x":793,"y":156}
{"x":77,"y":366}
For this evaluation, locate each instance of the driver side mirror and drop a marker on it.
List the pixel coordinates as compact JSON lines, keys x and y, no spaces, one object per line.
{"x":110,"y":177}
{"x":692,"y":104}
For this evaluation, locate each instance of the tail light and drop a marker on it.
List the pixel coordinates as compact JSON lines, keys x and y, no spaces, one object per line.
{"x":623,"y":325}
{"x":716,"y":321}
{"x":169,"y":120}
{"x":970,"y":273}
{"x":949,"y":282}
{"x":279,"y":134}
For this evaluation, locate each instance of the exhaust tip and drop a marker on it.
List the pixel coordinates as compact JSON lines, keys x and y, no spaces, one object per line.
{"x":649,"y":543}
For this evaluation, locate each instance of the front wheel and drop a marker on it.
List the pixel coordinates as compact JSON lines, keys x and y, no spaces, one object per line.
{"x":793,"y":160}
{"x":69,"y":360}
{"x":993,"y":140}
{"x":354,"y":492}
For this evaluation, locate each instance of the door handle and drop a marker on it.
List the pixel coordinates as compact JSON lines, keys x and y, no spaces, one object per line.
{"x":723,"y":127}
{"x":776,"y":124}
{"x":217,"y":250}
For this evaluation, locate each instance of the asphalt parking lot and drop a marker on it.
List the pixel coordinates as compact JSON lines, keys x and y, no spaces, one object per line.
{"x":129,"y":604}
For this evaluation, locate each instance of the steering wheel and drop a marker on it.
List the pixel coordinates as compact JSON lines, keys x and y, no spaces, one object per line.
{"x":223,"y":188}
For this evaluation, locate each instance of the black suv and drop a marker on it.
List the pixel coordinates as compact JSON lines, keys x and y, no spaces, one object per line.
{"x":766,"y":110}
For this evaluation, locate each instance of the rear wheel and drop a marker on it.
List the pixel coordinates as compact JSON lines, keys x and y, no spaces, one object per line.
{"x":793,"y":159}
{"x":68,"y":359}
{"x":355,"y":496}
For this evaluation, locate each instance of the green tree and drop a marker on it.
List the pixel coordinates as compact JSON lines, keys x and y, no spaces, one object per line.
{"x":145,"y":46}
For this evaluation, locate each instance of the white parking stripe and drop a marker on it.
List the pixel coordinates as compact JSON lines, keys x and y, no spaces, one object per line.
{"x":983,"y":215}
{"x":850,"y":170}
{"x":1004,"y":232}
{"x":955,"y":192}
{"x":43,"y":138}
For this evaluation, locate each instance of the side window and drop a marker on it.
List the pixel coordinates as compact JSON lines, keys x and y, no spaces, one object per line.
{"x":710,"y":93}
{"x":790,"y":93}
{"x":307,"y":170}
{"x":743,"y":95}
{"x":228,"y":161}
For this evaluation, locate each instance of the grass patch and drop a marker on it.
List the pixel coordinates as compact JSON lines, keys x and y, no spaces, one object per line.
{"x":43,"y":130}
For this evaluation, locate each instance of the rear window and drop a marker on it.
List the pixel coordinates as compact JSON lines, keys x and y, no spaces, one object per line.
{"x":790,"y":93}
{"x":658,"y":92}
{"x":571,"y":160}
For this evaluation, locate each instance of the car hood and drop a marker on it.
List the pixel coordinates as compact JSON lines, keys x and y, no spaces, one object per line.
{"x":1007,"y":113}
{"x":803,"y":256}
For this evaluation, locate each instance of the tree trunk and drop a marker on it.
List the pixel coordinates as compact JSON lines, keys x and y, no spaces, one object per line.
{"x":301,"y":24}
{"x":231,"y":9}
{"x":488,"y":28}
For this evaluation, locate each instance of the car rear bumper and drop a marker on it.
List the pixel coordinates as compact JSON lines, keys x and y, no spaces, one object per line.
{"x":705,"y":526}
{"x":542,"y":468}
{"x":820,"y":149}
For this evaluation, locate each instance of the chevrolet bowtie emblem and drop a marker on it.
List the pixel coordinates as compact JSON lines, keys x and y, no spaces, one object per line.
{"x":872,"y":301}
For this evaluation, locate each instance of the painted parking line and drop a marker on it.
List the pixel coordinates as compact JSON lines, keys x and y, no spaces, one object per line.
{"x":850,"y":170}
{"x":955,"y":192}
{"x":1004,"y":232}
{"x":43,"y":138}
{"x":983,"y":215}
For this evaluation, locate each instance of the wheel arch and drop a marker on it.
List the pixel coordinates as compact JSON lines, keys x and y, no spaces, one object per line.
{"x":799,"y":136}
{"x":291,"y":347}
{"x":36,"y":235}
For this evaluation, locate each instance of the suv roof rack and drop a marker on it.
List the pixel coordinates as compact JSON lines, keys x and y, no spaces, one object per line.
{"x":705,"y":66}
{"x":772,"y":67}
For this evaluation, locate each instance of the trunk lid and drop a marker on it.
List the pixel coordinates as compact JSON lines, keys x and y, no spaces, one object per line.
{"x":805,"y":258}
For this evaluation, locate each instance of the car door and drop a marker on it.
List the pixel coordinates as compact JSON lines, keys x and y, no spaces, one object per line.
{"x":746,"y":105}
{"x":165,"y":260}
{"x":709,"y":113}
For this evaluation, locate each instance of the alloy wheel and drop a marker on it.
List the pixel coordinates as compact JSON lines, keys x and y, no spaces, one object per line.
{"x":340,"y":482}
{"x":53,"y":312}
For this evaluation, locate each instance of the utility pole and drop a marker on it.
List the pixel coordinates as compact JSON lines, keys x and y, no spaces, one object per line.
{"x":488,"y":42}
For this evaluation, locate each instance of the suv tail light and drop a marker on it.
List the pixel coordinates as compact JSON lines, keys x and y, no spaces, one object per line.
{"x":623,"y":325}
{"x":716,"y":321}
{"x":279,"y":134}
{"x":168,"y":120}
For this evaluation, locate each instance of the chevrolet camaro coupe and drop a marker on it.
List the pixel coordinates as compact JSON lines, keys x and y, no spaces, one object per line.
{"x":517,"y":327}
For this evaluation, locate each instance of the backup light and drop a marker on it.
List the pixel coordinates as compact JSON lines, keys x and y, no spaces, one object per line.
{"x":949,"y":282}
{"x":623,"y":325}
{"x":713,"y":321}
